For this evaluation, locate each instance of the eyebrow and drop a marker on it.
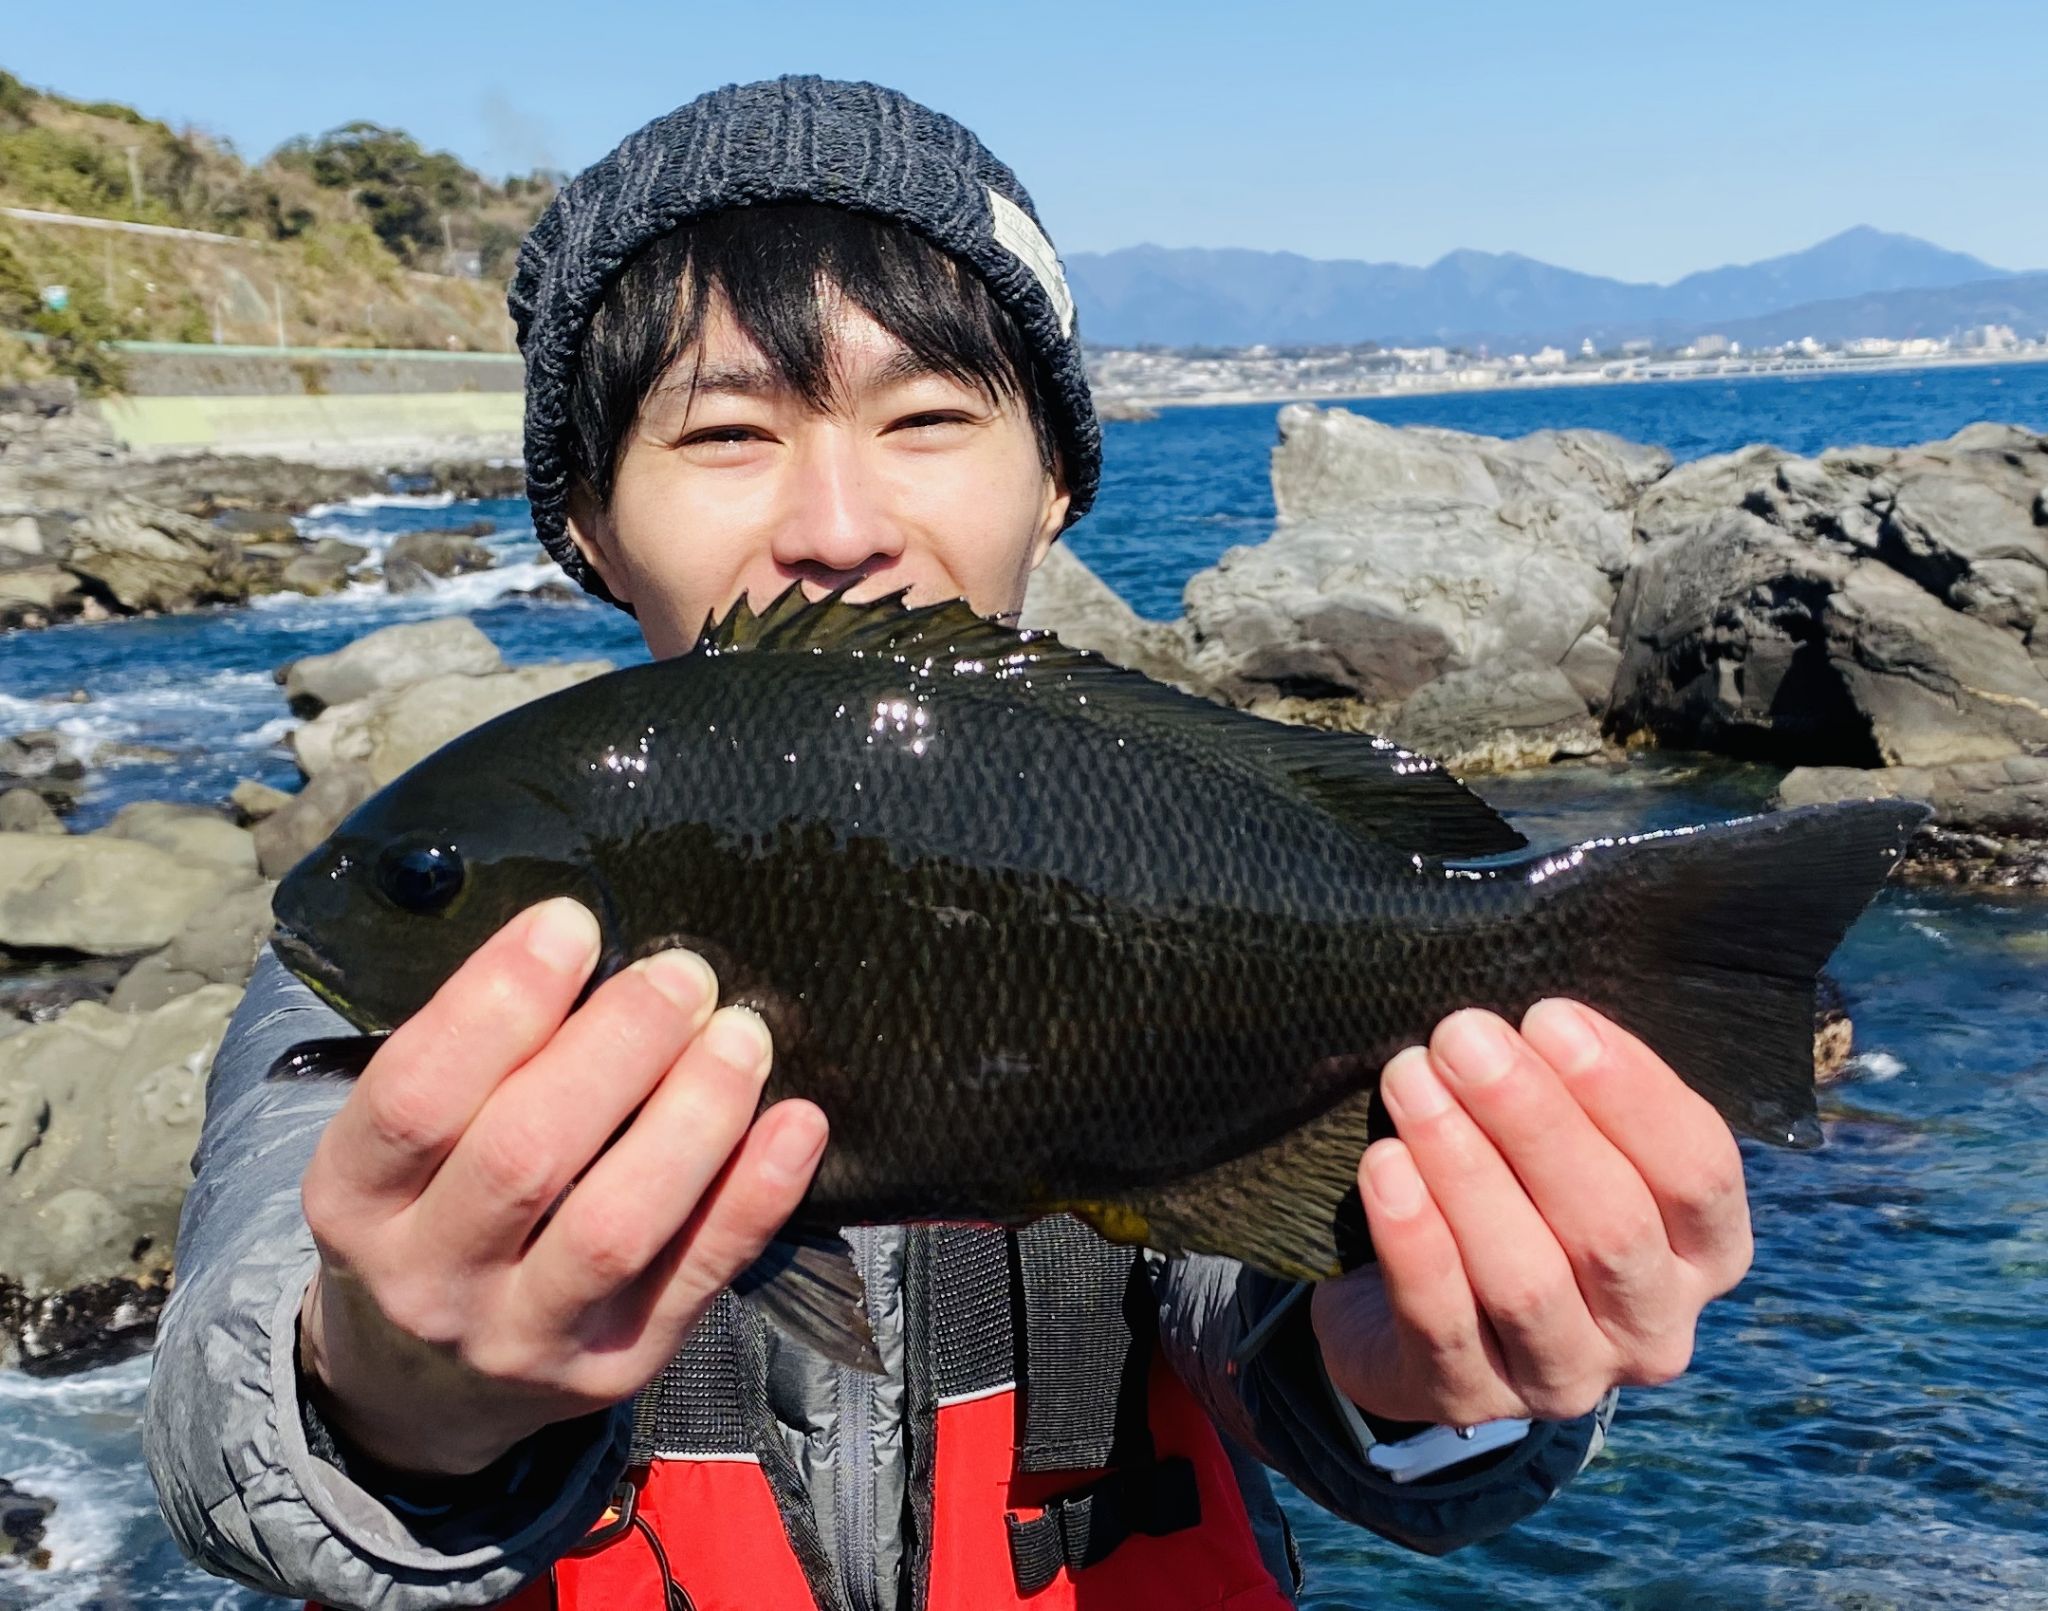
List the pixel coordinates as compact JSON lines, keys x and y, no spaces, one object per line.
{"x":759,"y":380}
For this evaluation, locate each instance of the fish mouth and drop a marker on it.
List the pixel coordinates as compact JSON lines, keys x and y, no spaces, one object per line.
{"x":297,"y":953}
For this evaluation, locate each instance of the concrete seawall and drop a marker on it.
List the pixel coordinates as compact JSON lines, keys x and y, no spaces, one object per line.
{"x":317,"y":402}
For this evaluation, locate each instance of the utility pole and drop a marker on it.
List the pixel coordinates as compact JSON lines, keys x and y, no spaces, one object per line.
{"x":448,"y":235}
{"x":134,"y":175}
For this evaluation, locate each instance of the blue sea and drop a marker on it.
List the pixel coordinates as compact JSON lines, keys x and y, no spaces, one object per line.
{"x":1866,"y":1421}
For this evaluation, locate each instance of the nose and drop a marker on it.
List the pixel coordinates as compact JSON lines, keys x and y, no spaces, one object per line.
{"x":837,"y":526}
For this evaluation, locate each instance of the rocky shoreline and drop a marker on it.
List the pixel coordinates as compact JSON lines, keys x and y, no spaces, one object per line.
{"x":1871,"y":619}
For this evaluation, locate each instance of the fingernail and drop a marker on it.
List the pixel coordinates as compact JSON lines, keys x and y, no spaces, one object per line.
{"x":1568,"y":1042}
{"x":738,"y":1039}
{"x":1411,"y":1086}
{"x":1394,"y":1180}
{"x":1473,"y":1048}
{"x":564,"y":935}
{"x":682,"y":976}
{"x":798,"y":1139}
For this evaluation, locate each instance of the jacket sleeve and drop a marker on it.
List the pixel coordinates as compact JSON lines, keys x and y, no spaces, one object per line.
{"x":1281,"y":1407}
{"x":226,"y":1433}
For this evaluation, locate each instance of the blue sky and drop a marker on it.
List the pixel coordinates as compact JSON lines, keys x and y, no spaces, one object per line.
{"x":1642,"y":140}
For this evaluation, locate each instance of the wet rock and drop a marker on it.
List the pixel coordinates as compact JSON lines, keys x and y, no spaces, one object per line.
{"x":22,"y":1518}
{"x":1834,"y":1036}
{"x":36,"y":986}
{"x":390,"y":731}
{"x":253,"y":801}
{"x":97,"y":894}
{"x":550,"y":593}
{"x":99,"y":1113}
{"x":435,"y":555}
{"x":309,"y":816}
{"x":1990,"y":824}
{"x":44,"y":761}
{"x":25,"y":811}
{"x":390,"y":658}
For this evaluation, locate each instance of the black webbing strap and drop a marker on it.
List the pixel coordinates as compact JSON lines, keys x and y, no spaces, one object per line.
{"x":1085,"y":1526}
{"x":694,"y":1406}
{"x":1089,"y":1334}
{"x":1077,"y":1345}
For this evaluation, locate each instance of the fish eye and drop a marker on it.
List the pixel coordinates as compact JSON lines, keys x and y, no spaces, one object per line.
{"x":421,"y":878}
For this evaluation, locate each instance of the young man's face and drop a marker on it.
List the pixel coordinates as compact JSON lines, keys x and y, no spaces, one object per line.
{"x":909,"y":479}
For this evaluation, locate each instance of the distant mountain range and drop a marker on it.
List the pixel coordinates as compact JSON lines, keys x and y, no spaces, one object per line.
{"x":1190,"y":296}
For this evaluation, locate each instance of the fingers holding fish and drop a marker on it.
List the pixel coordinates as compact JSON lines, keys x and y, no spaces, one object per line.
{"x":1591,"y":1197}
{"x":551,"y":1117}
{"x":426,"y":1083}
{"x":1403,"y":1337}
{"x":1557,"y":1359}
{"x":649,"y":1183}
{"x":1681,"y":1148}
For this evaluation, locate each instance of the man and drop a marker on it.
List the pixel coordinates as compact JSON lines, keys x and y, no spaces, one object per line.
{"x":811,"y":332}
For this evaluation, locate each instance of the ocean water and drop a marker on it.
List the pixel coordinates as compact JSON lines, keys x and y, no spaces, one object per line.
{"x":1866,"y":1421}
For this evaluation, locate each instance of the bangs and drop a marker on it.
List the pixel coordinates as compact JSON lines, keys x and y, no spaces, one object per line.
{"x":769,"y":265}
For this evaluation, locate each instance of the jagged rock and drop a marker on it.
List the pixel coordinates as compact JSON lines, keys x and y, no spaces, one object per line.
{"x":147,"y":558}
{"x":433,"y":554}
{"x":1405,"y":558}
{"x":99,"y":1113}
{"x":253,"y":801}
{"x":256,"y":524}
{"x":309,"y":816}
{"x":193,"y":834}
{"x":22,"y":1519}
{"x":44,"y":761}
{"x":389,"y":658}
{"x":218,"y":945}
{"x":1871,"y":606}
{"x":1482,"y":720}
{"x":25,"y":811}
{"x":1990,"y":822}
{"x":1069,"y":600}
{"x":98,"y":895}
{"x":37,"y":595}
{"x":389,"y":731}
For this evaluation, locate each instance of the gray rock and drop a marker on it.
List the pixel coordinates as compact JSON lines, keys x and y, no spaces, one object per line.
{"x":25,"y":811}
{"x":1990,"y":824}
{"x":43,"y":760}
{"x":1407,"y":558}
{"x":256,"y":524}
{"x":195,"y":835}
{"x":1497,"y":718}
{"x":23,"y":1516}
{"x":1070,"y":601}
{"x":99,"y":895}
{"x":254,"y":801}
{"x":37,"y":595}
{"x":433,"y":554}
{"x":150,"y":559}
{"x":1869,"y":606}
{"x":313,"y":575}
{"x":340,"y":548}
{"x":21,"y":538}
{"x":218,"y":945}
{"x":309,"y":816}
{"x":99,"y":1113}
{"x":390,"y":731}
{"x":389,"y":658}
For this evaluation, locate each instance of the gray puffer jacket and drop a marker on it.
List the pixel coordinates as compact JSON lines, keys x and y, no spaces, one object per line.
{"x":247,"y":1495}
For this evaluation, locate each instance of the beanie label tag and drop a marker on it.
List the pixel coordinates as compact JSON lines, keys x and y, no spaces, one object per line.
{"x":1025,"y":241}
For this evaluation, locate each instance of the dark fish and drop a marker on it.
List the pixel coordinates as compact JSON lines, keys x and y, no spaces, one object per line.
{"x":1040,"y":934}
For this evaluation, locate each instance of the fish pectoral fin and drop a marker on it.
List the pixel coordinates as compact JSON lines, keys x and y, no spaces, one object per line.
{"x":812,"y":1292}
{"x":1289,"y":1208}
{"x":340,"y":1057}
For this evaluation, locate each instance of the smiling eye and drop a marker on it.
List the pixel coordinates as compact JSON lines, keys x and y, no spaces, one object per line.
{"x":421,"y":878}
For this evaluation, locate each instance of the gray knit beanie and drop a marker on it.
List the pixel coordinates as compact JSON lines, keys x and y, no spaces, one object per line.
{"x":788,"y":139}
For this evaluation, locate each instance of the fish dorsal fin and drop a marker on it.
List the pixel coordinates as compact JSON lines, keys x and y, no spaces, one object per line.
{"x":1389,"y":794}
{"x":792,"y":624}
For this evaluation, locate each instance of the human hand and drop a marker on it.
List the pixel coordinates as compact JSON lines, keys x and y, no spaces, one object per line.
{"x":493,"y":1257}
{"x":1558,"y":1209}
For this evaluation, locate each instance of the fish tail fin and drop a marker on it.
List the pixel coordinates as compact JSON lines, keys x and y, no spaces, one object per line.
{"x":1709,"y":944}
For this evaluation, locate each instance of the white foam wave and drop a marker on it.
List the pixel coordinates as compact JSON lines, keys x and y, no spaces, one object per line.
{"x":384,"y":500}
{"x":1877,"y":1067}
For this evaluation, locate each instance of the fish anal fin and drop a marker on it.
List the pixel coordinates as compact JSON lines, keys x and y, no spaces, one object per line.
{"x":812,"y":1292}
{"x":1287,"y":1208}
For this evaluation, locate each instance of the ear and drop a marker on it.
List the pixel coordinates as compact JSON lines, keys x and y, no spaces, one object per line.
{"x":590,"y":529}
{"x":1053,"y":520}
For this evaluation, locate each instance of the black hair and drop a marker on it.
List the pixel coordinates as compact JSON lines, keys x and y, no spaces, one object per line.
{"x":768,"y":262}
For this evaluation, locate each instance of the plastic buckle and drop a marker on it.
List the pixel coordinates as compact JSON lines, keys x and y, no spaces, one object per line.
{"x":617,"y":1518}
